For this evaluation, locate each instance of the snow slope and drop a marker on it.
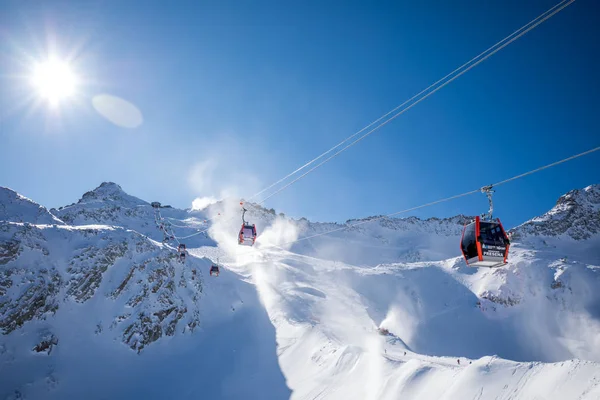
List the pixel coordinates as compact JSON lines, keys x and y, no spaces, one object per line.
{"x":105,"y":294}
{"x":17,"y":208}
{"x":111,"y":304}
{"x":326,"y":316}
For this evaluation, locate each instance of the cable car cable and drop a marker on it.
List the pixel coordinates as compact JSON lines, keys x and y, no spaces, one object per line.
{"x":458,"y":71}
{"x":421,"y":92}
{"x":564,"y":3}
{"x":444,"y":199}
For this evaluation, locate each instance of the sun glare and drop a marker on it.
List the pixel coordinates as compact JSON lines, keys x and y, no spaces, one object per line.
{"x":54,"y":80}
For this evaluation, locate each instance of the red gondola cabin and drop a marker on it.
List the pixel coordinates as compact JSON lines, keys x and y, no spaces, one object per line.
{"x":247,"y":235}
{"x":485,"y":244}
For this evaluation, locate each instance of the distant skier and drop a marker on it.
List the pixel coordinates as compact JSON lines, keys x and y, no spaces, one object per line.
{"x":458,"y":361}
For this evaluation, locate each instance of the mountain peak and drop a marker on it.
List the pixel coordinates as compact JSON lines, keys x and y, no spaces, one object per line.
{"x":576,"y":214}
{"x":586,"y":197}
{"x":111,"y":185}
{"x":109,"y":191}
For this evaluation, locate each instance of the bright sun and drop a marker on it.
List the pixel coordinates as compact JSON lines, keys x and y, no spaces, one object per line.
{"x":54,"y":80}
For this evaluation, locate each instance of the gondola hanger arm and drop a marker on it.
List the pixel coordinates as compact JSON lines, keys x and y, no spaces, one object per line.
{"x":488,"y":191}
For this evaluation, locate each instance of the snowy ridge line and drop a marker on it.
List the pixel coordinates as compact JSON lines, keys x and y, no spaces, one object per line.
{"x":465,"y":67}
{"x":98,"y":227}
{"x":445,"y":199}
{"x":592,"y":150}
{"x":73,"y":227}
{"x":517,"y":34}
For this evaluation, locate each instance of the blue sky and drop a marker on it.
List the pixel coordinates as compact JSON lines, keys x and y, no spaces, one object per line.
{"x":235,"y":95}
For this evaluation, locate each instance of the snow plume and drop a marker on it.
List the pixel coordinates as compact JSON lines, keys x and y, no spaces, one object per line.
{"x":402,"y":318}
{"x":201,"y":177}
{"x":582,"y":322}
{"x":328,"y":250}
{"x":226,"y":225}
{"x":280,"y":233}
{"x":586,"y":345}
{"x":226,"y":221}
{"x":225,"y":171}
{"x":201,"y":203}
{"x":538,"y":327}
{"x":560,"y":319}
{"x":266,"y":278}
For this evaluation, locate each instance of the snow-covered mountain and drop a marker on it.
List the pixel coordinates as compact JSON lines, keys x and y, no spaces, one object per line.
{"x":572,"y":226}
{"x":358,"y":242}
{"x":46,"y":268}
{"x":108,"y":204}
{"x":17,"y":208}
{"x":94,"y":305}
{"x":391,"y":239}
{"x":576,"y":215}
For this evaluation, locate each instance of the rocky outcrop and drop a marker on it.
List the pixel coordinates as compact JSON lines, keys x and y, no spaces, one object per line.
{"x":88,"y":266}
{"x":160,"y":296}
{"x":500,"y":299}
{"x":36,"y":295}
{"x":155,"y":298}
{"x":47,"y":342}
{"x":9,"y":251}
{"x":576,"y":215}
